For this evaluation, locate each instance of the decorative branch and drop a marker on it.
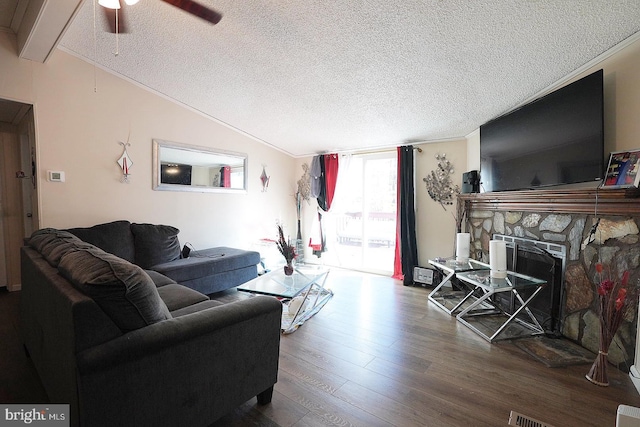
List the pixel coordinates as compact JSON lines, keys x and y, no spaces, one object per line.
{"x":285,"y":247}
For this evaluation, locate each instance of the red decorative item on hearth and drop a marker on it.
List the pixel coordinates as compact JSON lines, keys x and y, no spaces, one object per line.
{"x":614,"y":301}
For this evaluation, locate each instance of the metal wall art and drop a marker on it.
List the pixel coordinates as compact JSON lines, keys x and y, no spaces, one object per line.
{"x":438,"y":182}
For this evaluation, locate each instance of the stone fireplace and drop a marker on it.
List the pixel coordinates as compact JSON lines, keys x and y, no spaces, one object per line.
{"x":566,"y":218}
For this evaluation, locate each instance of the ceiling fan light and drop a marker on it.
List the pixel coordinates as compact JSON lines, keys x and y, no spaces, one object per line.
{"x":110,"y":4}
{"x":131,"y":2}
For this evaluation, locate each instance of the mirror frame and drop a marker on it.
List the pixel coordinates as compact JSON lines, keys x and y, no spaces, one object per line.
{"x":159,"y":144}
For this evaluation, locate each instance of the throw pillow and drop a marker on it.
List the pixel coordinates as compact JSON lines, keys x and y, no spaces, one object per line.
{"x":123,"y":290}
{"x":155,"y":244}
{"x":53,"y":253}
{"x":114,"y":237}
{"x":44,"y":236}
{"x":53,"y":244}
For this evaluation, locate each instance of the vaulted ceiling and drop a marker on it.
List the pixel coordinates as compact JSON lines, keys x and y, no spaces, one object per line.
{"x":318,"y":76}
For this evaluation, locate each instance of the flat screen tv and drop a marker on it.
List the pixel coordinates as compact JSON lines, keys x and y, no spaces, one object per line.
{"x":175,"y":174}
{"x":554,"y":140}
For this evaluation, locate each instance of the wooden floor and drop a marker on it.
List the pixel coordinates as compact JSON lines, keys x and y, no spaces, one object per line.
{"x":378,"y":354}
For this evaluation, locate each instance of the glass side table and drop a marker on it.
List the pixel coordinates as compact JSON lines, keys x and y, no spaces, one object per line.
{"x":444,"y":295}
{"x":494,"y":323}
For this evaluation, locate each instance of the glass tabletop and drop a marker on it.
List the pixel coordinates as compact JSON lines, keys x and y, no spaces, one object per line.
{"x":277,"y":284}
{"x":452,"y":265}
{"x":513,"y":280}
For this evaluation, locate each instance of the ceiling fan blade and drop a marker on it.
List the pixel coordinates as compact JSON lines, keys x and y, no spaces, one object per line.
{"x":110,"y":16}
{"x":196,"y":9}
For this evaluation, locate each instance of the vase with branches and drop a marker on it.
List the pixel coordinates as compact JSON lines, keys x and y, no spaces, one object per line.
{"x":615,"y":300}
{"x":287,"y":250}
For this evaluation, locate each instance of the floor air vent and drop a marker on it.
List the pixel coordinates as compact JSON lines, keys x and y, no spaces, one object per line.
{"x":519,"y":420}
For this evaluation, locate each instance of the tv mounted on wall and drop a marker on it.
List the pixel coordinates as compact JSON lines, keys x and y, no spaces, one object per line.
{"x":554,"y":140}
{"x":171,"y":173}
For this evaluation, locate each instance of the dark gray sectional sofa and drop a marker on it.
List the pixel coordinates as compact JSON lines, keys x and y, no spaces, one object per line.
{"x":126,"y":346}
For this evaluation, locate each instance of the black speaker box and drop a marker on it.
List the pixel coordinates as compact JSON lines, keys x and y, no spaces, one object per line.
{"x":470,"y":182}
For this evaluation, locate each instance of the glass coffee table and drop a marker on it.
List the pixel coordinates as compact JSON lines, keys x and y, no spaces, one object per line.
{"x":306,"y":281}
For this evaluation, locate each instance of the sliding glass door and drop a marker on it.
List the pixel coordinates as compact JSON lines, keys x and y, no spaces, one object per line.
{"x":362,"y":227}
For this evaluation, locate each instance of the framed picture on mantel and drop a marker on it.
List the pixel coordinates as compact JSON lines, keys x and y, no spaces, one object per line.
{"x":623,"y":169}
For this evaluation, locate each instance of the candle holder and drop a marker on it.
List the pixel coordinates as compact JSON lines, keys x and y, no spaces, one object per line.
{"x":498,"y":259}
{"x":463,"y":240}
{"x":125,"y":163}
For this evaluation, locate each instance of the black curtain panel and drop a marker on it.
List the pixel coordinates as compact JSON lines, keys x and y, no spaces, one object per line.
{"x":407,"y":214}
{"x":322,"y":202}
{"x":322,"y":197}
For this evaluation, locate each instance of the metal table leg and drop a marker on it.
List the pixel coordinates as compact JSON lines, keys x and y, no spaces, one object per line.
{"x":322,"y":296}
{"x":534,"y":326}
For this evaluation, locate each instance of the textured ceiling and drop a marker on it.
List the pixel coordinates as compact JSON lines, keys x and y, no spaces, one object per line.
{"x":318,"y":76}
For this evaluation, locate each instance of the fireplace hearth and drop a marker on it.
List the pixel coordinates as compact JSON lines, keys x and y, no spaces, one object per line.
{"x":558,"y":223}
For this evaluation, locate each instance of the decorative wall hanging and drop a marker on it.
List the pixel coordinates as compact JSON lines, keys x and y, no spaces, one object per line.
{"x":304,"y":185}
{"x":264,"y":179}
{"x":125,"y":162}
{"x":303,"y":193}
{"x":438,"y":182}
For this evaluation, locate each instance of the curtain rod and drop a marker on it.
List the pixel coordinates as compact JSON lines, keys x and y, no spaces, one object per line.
{"x":381,"y":150}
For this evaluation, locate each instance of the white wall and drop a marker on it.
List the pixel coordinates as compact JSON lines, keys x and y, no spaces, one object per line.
{"x":435,"y":225}
{"x":77,"y":131}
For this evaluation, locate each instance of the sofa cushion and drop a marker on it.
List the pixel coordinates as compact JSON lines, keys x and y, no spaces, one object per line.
{"x":53,"y":253}
{"x":123,"y":290}
{"x":177,"y":296}
{"x":196,"y":307}
{"x":155,"y":244}
{"x":44,"y":236}
{"x":53,"y":244}
{"x":159,"y":279}
{"x":114,"y":237}
{"x":207,"y":262}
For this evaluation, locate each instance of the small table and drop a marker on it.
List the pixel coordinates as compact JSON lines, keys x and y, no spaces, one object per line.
{"x":307,"y":281}
{"x":451,"y":300}
{"x":472,"y":316}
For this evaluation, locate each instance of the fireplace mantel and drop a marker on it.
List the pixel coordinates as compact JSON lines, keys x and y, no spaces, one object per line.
{"x":621,"y":201}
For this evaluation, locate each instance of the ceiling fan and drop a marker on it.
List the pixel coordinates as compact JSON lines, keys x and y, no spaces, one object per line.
{"x":115,"y":17}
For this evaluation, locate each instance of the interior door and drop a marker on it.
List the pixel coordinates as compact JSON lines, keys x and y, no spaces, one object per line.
{"x":28,"y":166}
{"x":3,"y":263}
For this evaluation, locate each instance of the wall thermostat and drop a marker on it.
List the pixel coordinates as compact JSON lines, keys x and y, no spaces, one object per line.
{"x":56,"y":176}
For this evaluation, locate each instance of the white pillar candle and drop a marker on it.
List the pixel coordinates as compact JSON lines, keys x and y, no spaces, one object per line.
{"x":462,"y":246}
{"x":498,"y":259}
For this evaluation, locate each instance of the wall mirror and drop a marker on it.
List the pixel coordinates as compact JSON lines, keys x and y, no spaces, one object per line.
{"x":182,"y":167}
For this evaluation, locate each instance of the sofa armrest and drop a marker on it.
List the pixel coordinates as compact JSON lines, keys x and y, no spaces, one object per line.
{"x":188,"y":370}
{"x":168,"y":334}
